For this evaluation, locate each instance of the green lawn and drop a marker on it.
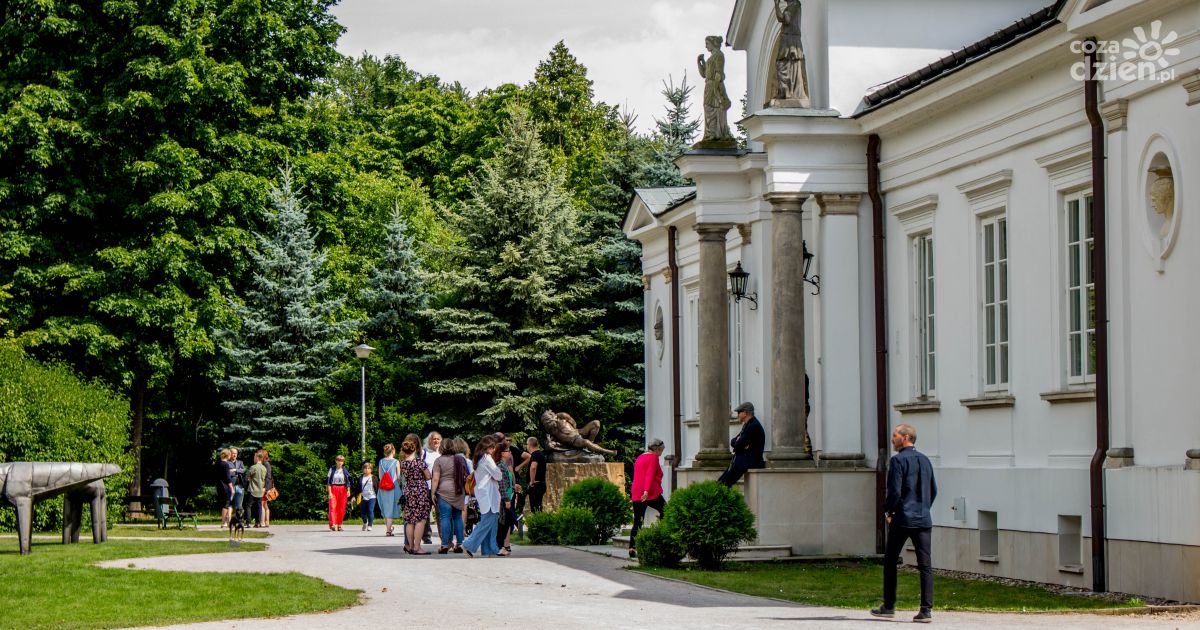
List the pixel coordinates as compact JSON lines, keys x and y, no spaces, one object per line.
{"x":118,"y":531}
{"x":57,"y":587}
{"x":860,"y":585}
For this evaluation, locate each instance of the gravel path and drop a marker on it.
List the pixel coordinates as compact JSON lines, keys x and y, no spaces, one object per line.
{"x":546,"y":587}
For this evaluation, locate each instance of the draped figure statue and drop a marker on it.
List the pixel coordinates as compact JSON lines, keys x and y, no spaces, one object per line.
{"x":791,"y":77}
{"x":716,"y":100}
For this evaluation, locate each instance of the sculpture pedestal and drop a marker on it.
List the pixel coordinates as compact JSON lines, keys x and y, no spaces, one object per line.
{"x":561,"y":476}
{"x":815,"y":511}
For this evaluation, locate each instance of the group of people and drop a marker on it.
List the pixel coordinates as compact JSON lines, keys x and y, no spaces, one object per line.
{"x":235,"y":481}
{"x":443,"y":477}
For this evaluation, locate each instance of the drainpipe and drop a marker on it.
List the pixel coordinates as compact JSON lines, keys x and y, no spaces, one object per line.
{"x":676,"y":398}
{"x":881,"y":374}
{"x":1091,"y":94}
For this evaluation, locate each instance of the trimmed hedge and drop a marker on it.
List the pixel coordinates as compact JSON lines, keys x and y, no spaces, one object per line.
{"x":575,"y":526}
{"x":47,"y":413}
{"x":710,"y":521}
{"x":541,"y":528}
{"x":659,"y":546}
{"x":609,"y":506}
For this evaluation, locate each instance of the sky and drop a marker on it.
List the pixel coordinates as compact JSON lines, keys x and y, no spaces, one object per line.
{"x":630,"y":47}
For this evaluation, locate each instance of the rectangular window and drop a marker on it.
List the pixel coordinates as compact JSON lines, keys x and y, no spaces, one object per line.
{"x":1070,"y":543}
{"x":994,"y":248}
{"x":1080,"y":290}
{"x":989,"y":537}
{"x":925,"y":317}
{"x":691,"y":358}
{"x":735,"y":353}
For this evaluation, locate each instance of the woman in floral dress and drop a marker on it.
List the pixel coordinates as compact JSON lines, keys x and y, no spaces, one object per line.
{"x":416,"y":494}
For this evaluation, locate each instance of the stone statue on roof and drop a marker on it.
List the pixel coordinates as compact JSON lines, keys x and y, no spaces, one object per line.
{"x":716,"y":100}
{"x":791,"y":77}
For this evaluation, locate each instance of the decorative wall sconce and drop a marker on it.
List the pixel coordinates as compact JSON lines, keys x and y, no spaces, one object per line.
{"x":811,"y":279}
{"x":737,"y":284}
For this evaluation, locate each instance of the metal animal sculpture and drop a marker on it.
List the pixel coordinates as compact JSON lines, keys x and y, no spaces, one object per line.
{"x":24,"y":483}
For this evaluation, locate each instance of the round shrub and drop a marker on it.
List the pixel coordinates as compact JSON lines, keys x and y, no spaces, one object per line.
{"x":711,"y":520}
{"x":610,"y":507}
{"x":48,"y":414}
{"x":542,"y":528}
{"x":659,"y":546}
{"x":299,"y":475}
{"x":575,"y":526}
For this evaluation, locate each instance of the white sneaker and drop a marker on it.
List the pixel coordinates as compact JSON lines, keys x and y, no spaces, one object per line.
{"x":368,"y":528}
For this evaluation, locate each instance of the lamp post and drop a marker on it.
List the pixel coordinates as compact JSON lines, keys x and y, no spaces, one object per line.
{"x":362,"y":351}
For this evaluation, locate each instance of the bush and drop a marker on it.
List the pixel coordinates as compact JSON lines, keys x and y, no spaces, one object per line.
{"x":542,"y":528}
{"x":575,"y":526}
{"x":49,"y":414}
{"x":299,"y":475}
{"x":710,"y":520}
{"x":659,"y":546}
{"x":610,"y":507}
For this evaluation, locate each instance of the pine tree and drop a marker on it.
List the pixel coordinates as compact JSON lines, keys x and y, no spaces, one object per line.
{"x":514,"y":284}
{"x":673,"y":136}
{"x":394,"y":292}
{"x":288,"y":343}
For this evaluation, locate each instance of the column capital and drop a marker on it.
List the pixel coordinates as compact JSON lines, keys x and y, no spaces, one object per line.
{"x":712,"y":231}
{"x":839,"y":203}
{"x":786,"y":201}
{"x":1115,"y":113}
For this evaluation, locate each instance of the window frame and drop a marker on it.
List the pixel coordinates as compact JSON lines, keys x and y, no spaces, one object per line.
{"x":994,"y":299}
{"x":923,"y":253}
{"x":1076,"y":245}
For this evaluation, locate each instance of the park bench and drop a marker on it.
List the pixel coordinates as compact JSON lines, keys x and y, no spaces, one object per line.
{"x":166,"y":508}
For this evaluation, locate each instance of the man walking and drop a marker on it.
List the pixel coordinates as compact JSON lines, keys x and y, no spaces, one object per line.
{"x":911,"y":490}
{"x":747,"y":446}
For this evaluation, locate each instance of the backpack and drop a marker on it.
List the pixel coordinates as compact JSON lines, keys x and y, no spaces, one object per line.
{"x":469,"y":484}
{"x":386,"y":482}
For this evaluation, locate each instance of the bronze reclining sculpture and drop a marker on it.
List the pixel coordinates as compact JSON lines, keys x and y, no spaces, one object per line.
{"x":23,"y":483}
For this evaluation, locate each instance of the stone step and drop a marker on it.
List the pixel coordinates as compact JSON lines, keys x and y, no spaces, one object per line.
{"x":744,"y":553}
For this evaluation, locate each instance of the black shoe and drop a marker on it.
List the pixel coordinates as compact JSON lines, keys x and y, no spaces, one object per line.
{"x":883,"y":612}
{"x":923,"y":617}
{"x":632,"y":552}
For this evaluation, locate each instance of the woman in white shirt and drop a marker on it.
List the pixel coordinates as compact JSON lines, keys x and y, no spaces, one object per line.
{"x":487,"y":494}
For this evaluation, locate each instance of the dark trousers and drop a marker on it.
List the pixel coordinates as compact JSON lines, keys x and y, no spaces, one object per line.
{"x":536,"y":492}
{"x":736,"y":469}
{"x":639,"y":513}
{"x":896,"y":538}
{"x":509,"y":522}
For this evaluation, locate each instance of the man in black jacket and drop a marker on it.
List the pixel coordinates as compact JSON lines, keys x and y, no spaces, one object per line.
{"x":911,"y":490}
{"x":747,"y":446}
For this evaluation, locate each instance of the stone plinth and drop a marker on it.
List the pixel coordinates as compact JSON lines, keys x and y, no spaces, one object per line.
{"x":561,"y":476}
{"x":817,"y":512}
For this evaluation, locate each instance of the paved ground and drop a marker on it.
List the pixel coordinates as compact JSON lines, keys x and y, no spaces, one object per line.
{"x":553,"y":587}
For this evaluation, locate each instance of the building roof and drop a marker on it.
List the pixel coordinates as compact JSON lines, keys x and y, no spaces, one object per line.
{"x":660,"y":200}
{"x":1004,"y":38}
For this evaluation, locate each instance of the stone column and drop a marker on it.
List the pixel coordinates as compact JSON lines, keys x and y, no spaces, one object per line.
{"x":841,"y":332}
{"x":713,"y":347}
{"x":788,"y":423}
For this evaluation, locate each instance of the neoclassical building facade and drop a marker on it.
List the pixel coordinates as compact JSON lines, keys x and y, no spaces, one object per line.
{"x":999,"y":203}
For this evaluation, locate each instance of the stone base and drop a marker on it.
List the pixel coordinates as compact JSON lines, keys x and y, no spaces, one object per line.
{"x":1118,"y":457}
{"x":816,"y":512}
{"x":573,"y":457}
{"x":789,"y":103}
{"x":840,"y":460}
{"x":561,"y":476}
{"x":727,"y":143}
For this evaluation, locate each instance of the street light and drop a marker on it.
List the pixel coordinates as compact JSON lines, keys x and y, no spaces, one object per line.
{"x":362,"y":351}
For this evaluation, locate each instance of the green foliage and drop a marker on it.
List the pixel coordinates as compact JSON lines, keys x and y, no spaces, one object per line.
{"x":659,"y":546}
{"x":673,"y":136}
{"x":541,"y":528}
{"x":299,"y":475}
{"x":289,"y":340}
{"x":575,"y":526}
{"x":49,"y":414}
{"x":609,"y":506}
{"x":710,"y":520}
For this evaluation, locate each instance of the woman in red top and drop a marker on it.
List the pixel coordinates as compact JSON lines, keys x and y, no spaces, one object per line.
{"x":647,"y":488}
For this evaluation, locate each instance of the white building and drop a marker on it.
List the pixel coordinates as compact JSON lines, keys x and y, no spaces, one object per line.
{"x":975,"y":174}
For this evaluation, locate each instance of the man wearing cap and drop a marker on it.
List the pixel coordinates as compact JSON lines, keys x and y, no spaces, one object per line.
{"x":646,"y":491}
{"x":747,"y":446}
